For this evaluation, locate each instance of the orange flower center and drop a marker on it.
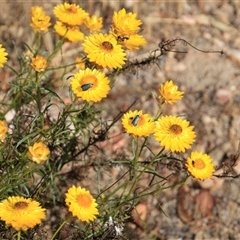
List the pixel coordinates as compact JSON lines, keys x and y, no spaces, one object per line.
{"x":72,"y":9}
{"x":84,"y":200}
{"x":89,"y":79}
{"x":20,"y":205}
{"x":176,"y":129}
{"x":198,"y":163}
{"x":107,"y":46}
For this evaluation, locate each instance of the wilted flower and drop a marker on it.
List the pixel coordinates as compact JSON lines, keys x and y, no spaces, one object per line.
{"x":94,"y":23}
{"x":3,"y":130}
{"x":39,"y":63}
{"x":40,"y":21}
{"x":38,"y":152}
{"x":169,"y":92}
{"x":113,"y":227}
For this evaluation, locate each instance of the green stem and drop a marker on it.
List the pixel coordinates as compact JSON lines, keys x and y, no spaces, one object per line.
{"x":19,"y":235}
{"x":134,"y":166}
{"x":136,"y":156}
{"x":159,"y":112}
{"x":38,"y":79}
{"x":39,"y":41}
{"x":58,"y":230}
{"x":142,"y":147}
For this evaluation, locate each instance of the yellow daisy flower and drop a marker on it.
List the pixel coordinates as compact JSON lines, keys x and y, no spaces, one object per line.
{"x":81,"y":203}
{"x":38,"y":152}
{"x":3,"y":55}
{"x":138,"y":124}
{"x":103,"y":50}
{"x":125,"y":24}
{"x":133,"y":42}
{"x":174,"y":134}
{"x":94,"y":23}
{"x":70,"y":14}
{"x":72,"y":33}
{"x":3,"y":130}
{"x":200,"y":165}
{"x":40,"y":21}
{"x":39,"y":63}
{"x":169,"y":92}
{"x":21,"y":213}
{"x":90,"y":85}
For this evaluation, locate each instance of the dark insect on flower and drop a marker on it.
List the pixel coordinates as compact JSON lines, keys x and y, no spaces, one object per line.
{"x":135,"y":120}
{"x":122,"y":39}
{"x":85,"y":87}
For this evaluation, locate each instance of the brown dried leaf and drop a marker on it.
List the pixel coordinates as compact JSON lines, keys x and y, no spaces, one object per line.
{"x":205,"y":202}
{"x":139,"y":214}
{"x":184,"y":204}
{"x":4,"y":80}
